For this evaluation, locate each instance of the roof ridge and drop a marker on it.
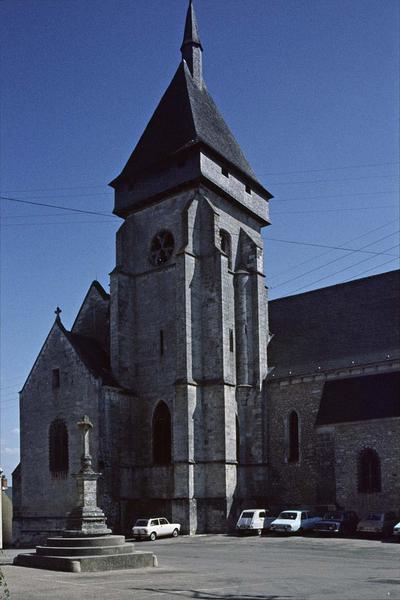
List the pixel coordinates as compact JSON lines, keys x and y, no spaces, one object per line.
{"x":343,"y":283}
{"x":204,"y":93}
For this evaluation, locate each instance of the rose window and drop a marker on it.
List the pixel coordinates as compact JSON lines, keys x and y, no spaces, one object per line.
{"x":162,"y":247}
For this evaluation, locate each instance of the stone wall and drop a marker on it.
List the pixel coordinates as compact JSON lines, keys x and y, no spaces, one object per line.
{"x":191,"y":299}
{"x":293,"y":483}
{"x":350,"y":439}
{"x":326,"y":472}
{"x":44,"y":499}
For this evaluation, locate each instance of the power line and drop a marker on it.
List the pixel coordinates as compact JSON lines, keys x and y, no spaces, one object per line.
{"x":39,"y":224}
{"x":324,"y":246}
{"x":297,"y":265}
{"x":92,"y":212}
{"x":335,"y":180}
{"x":335,"y":210}
{"x":331,"y":168}
{"x":371,"y":269}
{"x":74,"y":195}
{"x":301,"y":275}
{"x":77,"y":210}
{"x":32,"y":216}
{"x":341,"y":271}
{"x":102,"y":186}
{"x":330,"y":196}
{"x":294,"y":199}
{"x":50,"y":189}
{"x":347,"y":280}
{"x":85,"y":186}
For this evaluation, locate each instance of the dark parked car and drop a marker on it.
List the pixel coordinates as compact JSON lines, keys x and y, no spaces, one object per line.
{"x":338,"y":522}
{"x":378,"y":523}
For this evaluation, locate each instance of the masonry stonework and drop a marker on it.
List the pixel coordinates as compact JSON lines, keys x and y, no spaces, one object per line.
{"x":191,"y":421}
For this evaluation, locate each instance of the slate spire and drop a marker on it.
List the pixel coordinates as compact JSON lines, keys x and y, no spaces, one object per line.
{"x":191,"y":48}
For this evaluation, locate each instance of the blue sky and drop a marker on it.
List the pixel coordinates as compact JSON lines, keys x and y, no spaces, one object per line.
{"x":309,"y":88}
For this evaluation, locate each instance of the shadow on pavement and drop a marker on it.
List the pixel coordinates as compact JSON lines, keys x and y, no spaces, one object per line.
{"x":203,"y":595}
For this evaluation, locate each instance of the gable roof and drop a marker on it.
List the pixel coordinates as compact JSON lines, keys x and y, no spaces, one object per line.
{"x":93,"y":356}
{"x":185,"y":116}
{"x":332,"y":327}
{"x":360,"y":399}
{"x":95,"y":359}
{"x":95,"y":285}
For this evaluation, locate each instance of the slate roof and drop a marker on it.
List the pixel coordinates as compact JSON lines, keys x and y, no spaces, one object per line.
{"x":185,"y":116}
{"x":191,"y":32}
{"x":100,"y":289}
{"x":93,"y":356}
{"x":360,"y":398}
{"x":331,"y":327}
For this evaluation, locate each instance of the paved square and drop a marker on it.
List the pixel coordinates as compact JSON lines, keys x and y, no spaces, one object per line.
{"x":216,"y":567}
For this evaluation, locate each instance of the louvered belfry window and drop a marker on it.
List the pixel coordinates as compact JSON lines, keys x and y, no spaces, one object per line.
{"x":162,"y":441}
{"x":58,"y":449}
{"x":369,"y":471}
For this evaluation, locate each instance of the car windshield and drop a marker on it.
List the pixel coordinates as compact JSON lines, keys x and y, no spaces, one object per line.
{"x":333,"y":516}
{"x":141,"y":522}
{"x":288,"y":515}
{"x":373,"y":517}
{"x":247,"y":515}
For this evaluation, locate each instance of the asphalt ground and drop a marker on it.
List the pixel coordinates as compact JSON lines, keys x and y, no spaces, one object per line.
{"x":215,"y":567}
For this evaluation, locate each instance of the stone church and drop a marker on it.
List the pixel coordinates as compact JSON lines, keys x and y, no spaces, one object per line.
{"x":190,"y":420}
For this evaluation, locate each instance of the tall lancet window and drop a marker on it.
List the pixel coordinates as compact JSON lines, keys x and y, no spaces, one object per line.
{"x":369,"y":471}
{"x":58,"y":449}
{"x":162,"y":438}
{"x":293,"y":438}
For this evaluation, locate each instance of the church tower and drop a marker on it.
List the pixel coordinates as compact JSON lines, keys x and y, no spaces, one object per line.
{"x":189,"y":312}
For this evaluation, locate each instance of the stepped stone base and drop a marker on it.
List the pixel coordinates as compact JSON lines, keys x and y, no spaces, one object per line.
{"x":83,"y":554}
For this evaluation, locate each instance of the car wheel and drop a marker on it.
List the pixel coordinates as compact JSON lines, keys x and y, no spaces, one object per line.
{"x":175,"y":533}
{"x":153,"y":536}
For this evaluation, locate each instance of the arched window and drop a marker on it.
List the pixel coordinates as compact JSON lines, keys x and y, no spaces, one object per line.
{"x":58,"y":448}
{"x":226,"y":245}
{"x":237,"y":440}
{"x":293,"y":431}
{"x":162,"y":440}
{"x":369,"y":471}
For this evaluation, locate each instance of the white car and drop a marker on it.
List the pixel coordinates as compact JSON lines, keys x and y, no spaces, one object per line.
{"x":253,"y":520}
{"x":396,"y":531}
{"x":294,"y":521}
{"x":154,"y":527}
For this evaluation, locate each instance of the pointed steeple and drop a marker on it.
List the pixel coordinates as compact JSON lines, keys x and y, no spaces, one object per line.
{"x":191,"y":48}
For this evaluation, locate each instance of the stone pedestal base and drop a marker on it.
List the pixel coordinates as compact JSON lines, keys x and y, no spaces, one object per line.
{"x":84,"y":521}
{"x":86,"y":554}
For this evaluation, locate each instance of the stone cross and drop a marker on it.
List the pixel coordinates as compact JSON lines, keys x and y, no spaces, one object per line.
{"x":57,"y":312}
{"x":86,"y":519}
{"x":85,"y":426}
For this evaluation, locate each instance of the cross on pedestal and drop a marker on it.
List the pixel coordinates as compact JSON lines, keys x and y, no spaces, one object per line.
{"x":58,"y":312}
{"x":86,"y":460}
{"x":86,"y":519}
